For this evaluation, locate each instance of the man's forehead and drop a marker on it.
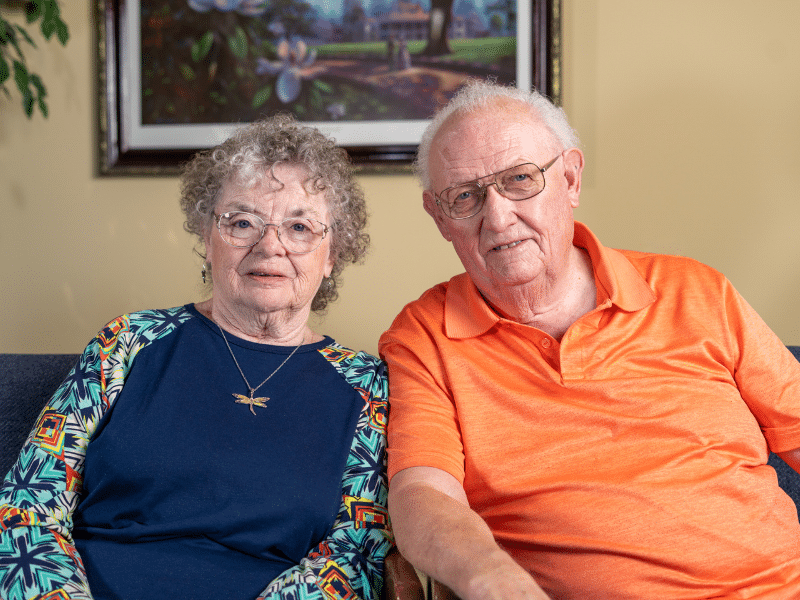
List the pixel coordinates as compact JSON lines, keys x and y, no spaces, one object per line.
{"x":470,"y":145}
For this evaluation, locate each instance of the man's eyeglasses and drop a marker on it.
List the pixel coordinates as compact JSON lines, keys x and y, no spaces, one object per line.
{"x":298,"y":235}
{"x":465,"y":200}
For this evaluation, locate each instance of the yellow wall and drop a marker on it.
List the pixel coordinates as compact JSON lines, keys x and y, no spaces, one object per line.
{"x":689,"y":115}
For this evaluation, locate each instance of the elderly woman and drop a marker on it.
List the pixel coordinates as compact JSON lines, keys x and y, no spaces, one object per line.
{"x":219,"y":450}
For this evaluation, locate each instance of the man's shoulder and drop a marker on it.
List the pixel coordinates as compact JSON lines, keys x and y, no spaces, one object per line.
{"x":433,"y":299}
{"x":647,"y":261}
{"x":676,"y":275}
{"x":425,"y":312}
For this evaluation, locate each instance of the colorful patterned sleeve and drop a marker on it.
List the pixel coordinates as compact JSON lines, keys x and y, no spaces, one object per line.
{"x":349,"y":563}
{"x":38,"y":559}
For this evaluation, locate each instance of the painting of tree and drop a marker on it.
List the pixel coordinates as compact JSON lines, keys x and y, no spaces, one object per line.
{"x":216,"y":63}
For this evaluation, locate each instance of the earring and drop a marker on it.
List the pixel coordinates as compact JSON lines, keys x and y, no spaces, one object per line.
{"x":203,"y":272}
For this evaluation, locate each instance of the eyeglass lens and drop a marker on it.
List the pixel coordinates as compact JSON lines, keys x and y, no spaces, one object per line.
{"x":517,"y":183}
{"x":298,"y":235}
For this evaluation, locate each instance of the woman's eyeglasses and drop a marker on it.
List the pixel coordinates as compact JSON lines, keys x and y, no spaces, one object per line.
{"x":298,"y":235}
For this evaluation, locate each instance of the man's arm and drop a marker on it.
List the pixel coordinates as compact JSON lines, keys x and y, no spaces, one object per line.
{"x":791,"y":458}
{"x":442,"y":536}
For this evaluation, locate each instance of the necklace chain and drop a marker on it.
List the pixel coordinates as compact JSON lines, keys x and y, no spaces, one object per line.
{"x":254,"y":401}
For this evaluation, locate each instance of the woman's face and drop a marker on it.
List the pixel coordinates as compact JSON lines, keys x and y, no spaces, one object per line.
{"x":265,"y":278}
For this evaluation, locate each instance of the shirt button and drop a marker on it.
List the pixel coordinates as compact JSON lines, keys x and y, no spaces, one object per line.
{"x":545,"y":342}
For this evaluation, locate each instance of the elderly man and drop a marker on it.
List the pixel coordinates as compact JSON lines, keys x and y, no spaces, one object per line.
{"x":571,"y":421}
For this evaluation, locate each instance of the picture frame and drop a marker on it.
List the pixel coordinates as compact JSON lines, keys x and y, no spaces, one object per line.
{"x":163,"y":96}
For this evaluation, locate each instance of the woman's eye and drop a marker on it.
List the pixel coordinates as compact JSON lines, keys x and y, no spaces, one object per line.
{"x":241,"y":224}
{"x":299,"y":227}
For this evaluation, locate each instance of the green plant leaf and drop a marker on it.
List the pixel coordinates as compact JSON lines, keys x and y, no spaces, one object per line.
{"x":217,"y":98}
{"x":322,"y":86}
{"x":27,"y":103}
{"x":36,"y":81}
{"x":261,"y":96}
{"x":51,"y":11}
{"x":48,"y":28}
{"x":5,"y":31}
{"x":33,"y":10}
{"x":25,"y":36}
{"x":238,"y":43}
{"x":13,"y":37}
{"x":186,"y":71}
{"x":5,"y":72}
{"x":21,"y":77}
{"x":201,"y":47}
{"x":62,"y":31}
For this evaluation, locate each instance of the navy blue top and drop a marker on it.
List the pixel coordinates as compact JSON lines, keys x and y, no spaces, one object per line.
{"x":188,"y":493}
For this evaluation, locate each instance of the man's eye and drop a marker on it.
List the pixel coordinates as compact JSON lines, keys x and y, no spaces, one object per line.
{"x":464,"y":195}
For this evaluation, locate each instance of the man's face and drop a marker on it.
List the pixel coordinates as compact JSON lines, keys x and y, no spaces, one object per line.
{"x":508,"y":244}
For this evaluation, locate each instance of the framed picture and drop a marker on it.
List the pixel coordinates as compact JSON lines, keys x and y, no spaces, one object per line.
{"x":178,"y":76}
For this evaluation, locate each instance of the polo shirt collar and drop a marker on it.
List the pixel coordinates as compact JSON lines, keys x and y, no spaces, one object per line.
{"x":467,"y":314}
{"x":617,"y":279}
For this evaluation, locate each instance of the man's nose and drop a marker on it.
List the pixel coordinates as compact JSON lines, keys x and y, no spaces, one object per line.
{"x":498,"y":211}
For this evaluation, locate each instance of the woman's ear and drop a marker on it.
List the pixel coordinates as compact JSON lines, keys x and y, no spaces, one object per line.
{"x":329,"y":263}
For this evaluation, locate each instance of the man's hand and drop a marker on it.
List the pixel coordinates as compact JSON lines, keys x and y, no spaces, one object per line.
{"x":441,"y":535}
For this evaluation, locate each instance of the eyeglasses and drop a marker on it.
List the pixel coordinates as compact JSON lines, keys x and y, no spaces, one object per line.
{"x":465,"y":200}
{"x":298,"y":235}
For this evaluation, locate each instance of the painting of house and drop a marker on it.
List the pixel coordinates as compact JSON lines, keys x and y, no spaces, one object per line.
{"x":361,"y":60}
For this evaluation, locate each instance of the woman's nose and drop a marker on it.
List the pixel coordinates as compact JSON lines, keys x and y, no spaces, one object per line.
{"x":270,"y":242}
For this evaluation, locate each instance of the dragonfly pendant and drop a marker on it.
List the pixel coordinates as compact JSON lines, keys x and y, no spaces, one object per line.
{"x":242,"y":399}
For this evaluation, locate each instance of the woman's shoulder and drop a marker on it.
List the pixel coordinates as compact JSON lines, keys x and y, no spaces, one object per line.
{"x":359,"y":368}
{"x":142,"y":326}
{"x":336,"y":353}
{"x":158,"y":319}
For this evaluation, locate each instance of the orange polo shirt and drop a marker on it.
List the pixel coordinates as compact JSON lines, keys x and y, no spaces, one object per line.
{"x":627,"y":461}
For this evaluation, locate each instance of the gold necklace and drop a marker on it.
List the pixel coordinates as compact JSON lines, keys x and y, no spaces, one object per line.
{"x":260,"y":402}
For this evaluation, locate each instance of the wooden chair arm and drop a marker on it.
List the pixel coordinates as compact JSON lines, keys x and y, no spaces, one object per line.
{"x":401,"y":581}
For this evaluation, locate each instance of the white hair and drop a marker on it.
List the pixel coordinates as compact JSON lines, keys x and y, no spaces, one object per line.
{"x":477,"y":94}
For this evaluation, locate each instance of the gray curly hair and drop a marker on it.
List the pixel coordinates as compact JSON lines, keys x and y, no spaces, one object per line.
{"x":478,"y":94}
{"x":250,"y":154}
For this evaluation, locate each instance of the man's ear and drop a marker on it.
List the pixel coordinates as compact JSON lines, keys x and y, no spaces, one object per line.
{"x":573,"y":169}
{"x":429,"y":202}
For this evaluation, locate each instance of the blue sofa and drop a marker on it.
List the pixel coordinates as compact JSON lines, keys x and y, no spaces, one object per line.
{"x":27,"y":381}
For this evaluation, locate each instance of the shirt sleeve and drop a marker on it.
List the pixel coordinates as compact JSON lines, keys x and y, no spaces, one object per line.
{"x":424,"y":429}
{"x":40,"y":493}
{"x":766,"y":373}
{"x":349,"y":562}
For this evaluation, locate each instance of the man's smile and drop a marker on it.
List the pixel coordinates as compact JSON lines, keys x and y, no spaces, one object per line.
{"x":509,"y":245}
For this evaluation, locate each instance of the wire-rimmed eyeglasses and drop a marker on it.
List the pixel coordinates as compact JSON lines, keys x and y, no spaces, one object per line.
{"x":299,"y":235}
{"x":520,"y":182}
